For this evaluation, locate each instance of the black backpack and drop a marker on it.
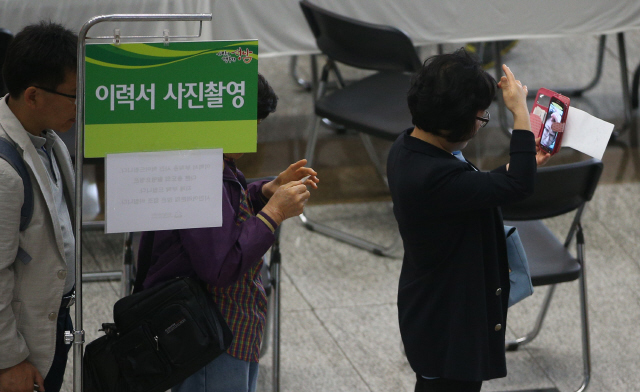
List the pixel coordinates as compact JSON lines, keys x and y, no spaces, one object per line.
{"x":9,"y":153}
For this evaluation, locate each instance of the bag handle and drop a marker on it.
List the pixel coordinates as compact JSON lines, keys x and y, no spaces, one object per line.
{"x":144,"y":260}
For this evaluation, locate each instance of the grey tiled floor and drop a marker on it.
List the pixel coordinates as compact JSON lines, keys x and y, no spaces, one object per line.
{"x":339,"y":318}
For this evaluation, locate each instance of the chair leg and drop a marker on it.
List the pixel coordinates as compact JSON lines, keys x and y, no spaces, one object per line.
{"x":374,"y":248}
{"x":584,"y":322}
{"x":513,"y":345}
{"x":330,"y":231}
{"x":635,"y":85}
{"x":574,"y":225}
{"x":624,"y":79}
{"x":312,"y":133}
{"x":584,"y":314}
{"x":293,"y":72}
{"x":312,"y":139}
{"x":373,"y":155}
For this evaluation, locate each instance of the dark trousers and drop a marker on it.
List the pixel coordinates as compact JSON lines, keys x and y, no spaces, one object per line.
{"x":53,"y":381}
{"x":445,"y":385}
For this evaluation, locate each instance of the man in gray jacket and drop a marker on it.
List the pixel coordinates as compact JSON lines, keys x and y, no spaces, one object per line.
{"x":37,"y":264}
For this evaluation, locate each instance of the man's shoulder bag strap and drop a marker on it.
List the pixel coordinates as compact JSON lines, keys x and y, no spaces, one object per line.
{"x":9,"y":153}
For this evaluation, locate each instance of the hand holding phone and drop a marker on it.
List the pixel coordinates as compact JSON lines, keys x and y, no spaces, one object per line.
{"x":552,"y":130}
{"x":548,"y":117}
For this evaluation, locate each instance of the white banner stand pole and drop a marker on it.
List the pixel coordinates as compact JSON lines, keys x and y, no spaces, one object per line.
{"x":77,"y":335}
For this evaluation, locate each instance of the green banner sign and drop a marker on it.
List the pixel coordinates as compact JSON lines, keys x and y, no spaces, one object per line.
{"x":185,"y":96}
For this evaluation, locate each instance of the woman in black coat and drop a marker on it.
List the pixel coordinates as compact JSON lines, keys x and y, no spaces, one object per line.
{"x":454,"y":284}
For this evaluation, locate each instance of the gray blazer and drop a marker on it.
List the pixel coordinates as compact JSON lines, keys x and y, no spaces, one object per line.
{"x":31,"y":286}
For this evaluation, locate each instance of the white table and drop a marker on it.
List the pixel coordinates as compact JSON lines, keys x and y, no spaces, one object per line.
{"x":282,"y":30}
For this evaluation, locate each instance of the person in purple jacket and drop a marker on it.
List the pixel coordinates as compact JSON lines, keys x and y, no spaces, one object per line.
{"x":229,"y":259}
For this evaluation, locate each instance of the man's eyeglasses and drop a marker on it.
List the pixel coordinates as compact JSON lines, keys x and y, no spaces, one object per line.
{"x":485,"y":119}
{"x":57,"y":93}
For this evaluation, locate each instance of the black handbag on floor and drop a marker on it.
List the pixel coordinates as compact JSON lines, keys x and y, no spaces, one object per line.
{"x":161,"y":336}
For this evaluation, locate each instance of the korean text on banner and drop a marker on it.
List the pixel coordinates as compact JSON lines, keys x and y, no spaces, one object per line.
{"x":188,"y":95}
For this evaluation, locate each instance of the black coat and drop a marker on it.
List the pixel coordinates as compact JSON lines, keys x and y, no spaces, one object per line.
{"x":454,"y":283}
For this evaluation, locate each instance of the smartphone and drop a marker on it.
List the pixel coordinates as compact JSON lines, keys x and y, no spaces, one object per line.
{"x":557,"y":113}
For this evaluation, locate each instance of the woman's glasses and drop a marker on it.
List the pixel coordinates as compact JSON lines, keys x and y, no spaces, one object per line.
{"x":485,"y":119}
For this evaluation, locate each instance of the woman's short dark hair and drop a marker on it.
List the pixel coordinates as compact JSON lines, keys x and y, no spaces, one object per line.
{"x":267,"y":98}
{"x":41,"y":54}
{"x":447,"y":93}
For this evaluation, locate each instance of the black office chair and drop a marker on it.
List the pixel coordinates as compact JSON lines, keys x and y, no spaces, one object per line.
{"x":375,"y":105}
{"x":5,"y":39}
{"x":558,"y":190}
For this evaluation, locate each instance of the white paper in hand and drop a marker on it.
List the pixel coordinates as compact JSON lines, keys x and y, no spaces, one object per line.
{"x":586,"y":133}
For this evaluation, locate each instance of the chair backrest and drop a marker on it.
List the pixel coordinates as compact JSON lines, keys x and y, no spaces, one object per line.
{"x":5,"y":38}
{"x":558,"y":190}
{"x":360,"y":44}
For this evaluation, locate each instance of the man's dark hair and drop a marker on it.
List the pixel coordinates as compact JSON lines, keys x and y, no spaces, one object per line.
{"x":267,"y":98}
{"x":447,"y":93}
{"x":41,"y":54}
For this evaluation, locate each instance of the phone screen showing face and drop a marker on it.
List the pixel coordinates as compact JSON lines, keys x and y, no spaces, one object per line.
{"x":554,"y":114}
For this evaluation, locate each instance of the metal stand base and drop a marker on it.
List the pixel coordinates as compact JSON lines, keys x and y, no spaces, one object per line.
{"x":271,"y":335}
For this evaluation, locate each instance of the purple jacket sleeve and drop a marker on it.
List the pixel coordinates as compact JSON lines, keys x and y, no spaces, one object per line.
{"x":254,"y":192}
{"x":221,"y":255}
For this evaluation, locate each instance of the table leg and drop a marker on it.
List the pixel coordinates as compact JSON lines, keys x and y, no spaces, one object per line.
{"x":635,"y":86}
{"x":626,"y":96}
{"x":596,"y":78}
{"x":502,"y":109}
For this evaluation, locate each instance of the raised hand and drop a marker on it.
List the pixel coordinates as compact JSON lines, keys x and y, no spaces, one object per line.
{"x":295,"y":172}
{"x":287,"y":201}
{"x":515,"y":99}
{"x":542,"y":156}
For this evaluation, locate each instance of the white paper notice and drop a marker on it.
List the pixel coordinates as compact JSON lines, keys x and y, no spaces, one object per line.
{"x":586,"y":133}
{"x":163,"y":190}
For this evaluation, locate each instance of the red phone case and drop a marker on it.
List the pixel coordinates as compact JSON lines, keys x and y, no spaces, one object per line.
{"x":537,"y":122}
